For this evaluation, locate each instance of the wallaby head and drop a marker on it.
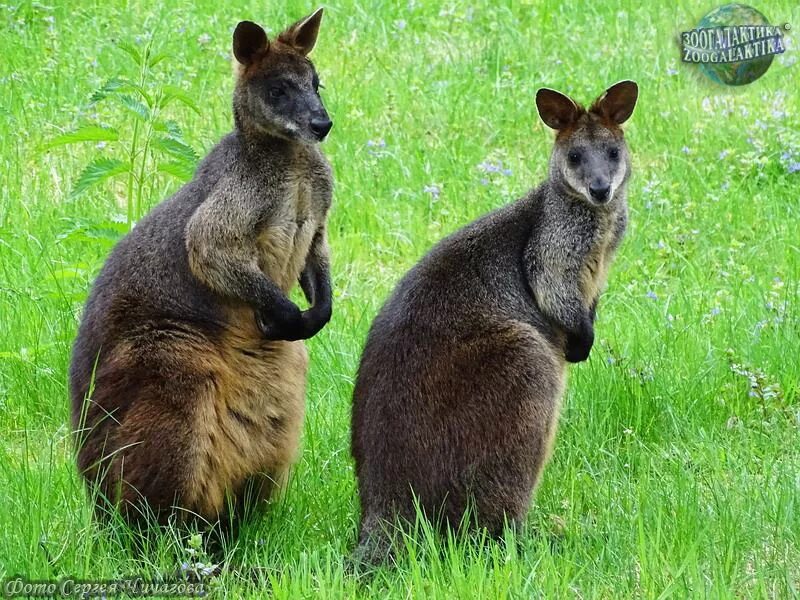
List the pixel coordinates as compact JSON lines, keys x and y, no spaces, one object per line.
{"x":590,"y":159}
{"x":277,"y":91}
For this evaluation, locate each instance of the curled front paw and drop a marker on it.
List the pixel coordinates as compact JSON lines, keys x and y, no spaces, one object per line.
{"x":285,"y":324}
{"x":579,"y":344}
{"x":292,"y":324}
{"x":315,"y":318}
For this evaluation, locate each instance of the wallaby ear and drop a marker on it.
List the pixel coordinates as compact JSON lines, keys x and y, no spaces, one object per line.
{"x":617,"y":102}
{"x":556,"y":110}
{"x":303,"y":35}
{"x":249,"y":41}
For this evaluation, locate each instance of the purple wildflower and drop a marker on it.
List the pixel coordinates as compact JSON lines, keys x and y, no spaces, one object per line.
{"x":374,"y":147}
{"x":432,"y":189}
{"x":490,"y":167}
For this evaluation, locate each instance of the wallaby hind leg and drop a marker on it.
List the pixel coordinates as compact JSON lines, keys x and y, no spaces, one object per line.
{"x":142,"y":464}
{"x":141,"y":445}
{"x":509,"y":381}
{"x":155,"y":463}
{"x":529,"y":381}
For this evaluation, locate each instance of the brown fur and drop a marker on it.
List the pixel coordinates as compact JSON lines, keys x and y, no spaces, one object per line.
{"x":457,"y":397}
{"x":188,"y":373}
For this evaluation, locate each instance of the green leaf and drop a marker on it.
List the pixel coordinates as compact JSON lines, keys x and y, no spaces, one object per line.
{"x":156,"y":58}
{"x":97,"y":171}
{"x":68,"y":273}
{"x":104,"y":233}
{"x":143,"y":93}
{"x":111,"y":86}
{"x":107,"y":230}
{"x":135,"y":107}
{"x":172,"y":93}
{"x":178,"y":149}
{"x":116,"y":85}
{"x":131,"y":51}
{"x":169,"y":127}
{"x":89,"y":133}
{"x":174,"y":129}
{"x":179,"y":170}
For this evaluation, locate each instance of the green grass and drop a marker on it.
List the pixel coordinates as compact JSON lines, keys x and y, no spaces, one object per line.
{"x":672,"y":475}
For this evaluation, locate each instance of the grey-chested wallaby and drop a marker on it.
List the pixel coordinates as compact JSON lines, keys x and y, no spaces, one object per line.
{"x":187,"y":379}
{"x":460,"y":383}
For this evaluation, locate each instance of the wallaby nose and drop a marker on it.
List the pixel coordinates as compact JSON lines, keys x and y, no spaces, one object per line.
{"x":321,"y":126}
{"x":599,"y":191}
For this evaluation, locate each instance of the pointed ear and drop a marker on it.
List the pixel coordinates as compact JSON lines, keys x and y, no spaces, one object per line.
{"x":617,"y":102}
{"x":249,"y":41}
{"x":303,"y":34}
{"x":556,"y":110}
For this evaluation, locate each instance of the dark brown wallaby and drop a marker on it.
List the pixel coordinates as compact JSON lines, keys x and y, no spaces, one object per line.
{"x":187,"y":379}
{"x":459,"y":388}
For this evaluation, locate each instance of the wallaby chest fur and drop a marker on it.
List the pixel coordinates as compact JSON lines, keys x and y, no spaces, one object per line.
{"x":188,"y":372}
{"x":459,"y":388}
{"x":281,"y":230}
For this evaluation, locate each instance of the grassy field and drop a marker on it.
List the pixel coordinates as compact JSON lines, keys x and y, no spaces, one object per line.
{"x":676,"y":471}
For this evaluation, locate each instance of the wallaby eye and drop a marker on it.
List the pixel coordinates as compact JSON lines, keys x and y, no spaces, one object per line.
{"x":613,"y":153}
{"x":276,"y":92}
{"x":574,"y":158}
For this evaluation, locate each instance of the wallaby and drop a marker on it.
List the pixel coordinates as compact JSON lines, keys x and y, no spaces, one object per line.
{"x":460,"y":383}
{"x":187,"y":379}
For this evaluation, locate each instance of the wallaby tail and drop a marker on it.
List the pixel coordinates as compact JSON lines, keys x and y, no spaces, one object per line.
{"x":375,"y":543}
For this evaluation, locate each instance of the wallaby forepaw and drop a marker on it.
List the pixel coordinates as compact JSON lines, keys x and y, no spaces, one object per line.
{"x":314,"y":320}
{"x":299,"y":326}
{"x":578,"y":352}
{"x":287,"y":329}
{"x":579,"y":345}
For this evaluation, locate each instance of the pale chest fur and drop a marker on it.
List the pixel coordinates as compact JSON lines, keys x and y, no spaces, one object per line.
{"x":596,"y":264}
{"x":285,"y":239}
{"x":286,"y":236}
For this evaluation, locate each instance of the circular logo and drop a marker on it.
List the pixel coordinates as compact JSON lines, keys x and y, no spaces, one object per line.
{"x":733,"y":44}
